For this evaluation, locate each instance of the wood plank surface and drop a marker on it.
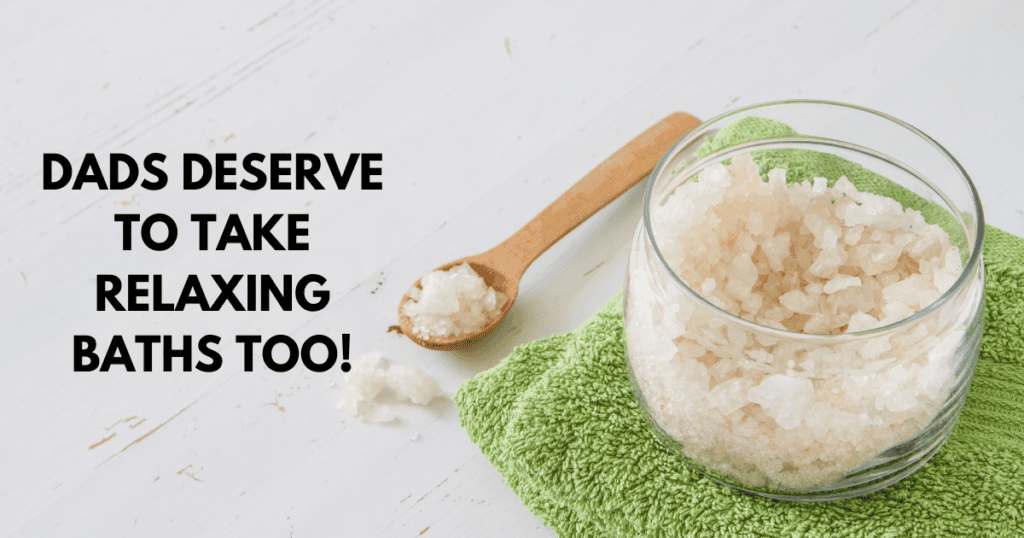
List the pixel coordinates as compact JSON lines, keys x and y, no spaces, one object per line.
{"x":484,"y":114}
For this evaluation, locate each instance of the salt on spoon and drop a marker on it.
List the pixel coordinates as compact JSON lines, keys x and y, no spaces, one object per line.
{"x":503,"y":266}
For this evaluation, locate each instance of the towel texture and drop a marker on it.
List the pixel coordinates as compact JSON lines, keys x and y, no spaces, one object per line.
{"x":558,"y":419}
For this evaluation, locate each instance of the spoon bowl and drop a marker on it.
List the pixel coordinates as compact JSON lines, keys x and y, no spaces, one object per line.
{"x":503,"y":266}
{"x":494,"y":278}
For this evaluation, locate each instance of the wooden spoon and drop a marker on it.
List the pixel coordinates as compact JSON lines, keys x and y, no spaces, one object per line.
{"x":503,"y":266}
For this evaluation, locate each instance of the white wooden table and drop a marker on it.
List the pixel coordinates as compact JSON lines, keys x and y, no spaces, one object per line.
{"x":484,"y":113}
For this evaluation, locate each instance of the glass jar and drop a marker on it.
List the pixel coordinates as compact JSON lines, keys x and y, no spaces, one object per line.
{"x":791,"y":415}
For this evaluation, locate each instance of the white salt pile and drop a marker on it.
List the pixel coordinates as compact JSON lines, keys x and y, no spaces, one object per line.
{"x":791,"y":413}
{"x":452,"y":303}
{"x":370,"y":375}
{"x":808,"y":258}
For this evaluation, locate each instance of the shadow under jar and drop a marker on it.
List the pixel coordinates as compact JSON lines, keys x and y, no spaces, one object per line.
{"x":859,"y":378}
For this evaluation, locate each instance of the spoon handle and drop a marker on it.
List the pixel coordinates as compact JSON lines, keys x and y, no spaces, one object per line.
{"x":617,"y":174}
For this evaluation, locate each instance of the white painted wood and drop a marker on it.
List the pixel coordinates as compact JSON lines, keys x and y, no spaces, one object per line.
{"x":464,"y":99}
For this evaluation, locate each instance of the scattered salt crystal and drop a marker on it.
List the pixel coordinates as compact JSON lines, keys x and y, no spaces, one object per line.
{"x":452,"y":303}
{"x":376,"y":413}
{"x":411,"y":383}
{"x":369,"y":375}
{"x":356,"y":405}
{"x":349,"y":399}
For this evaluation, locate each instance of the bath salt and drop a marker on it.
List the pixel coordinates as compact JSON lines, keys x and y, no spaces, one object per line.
{"x":452,"y":303}
{"x":412,"y":384}
{"x":791,"y":414}
{"x":370,"y":374}
{"x":812,"y":249}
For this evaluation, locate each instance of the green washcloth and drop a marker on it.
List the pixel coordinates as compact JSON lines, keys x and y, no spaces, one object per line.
{"x":558,"y":419}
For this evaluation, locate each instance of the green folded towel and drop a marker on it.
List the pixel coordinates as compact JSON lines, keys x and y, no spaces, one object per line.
{"x":558,"y":419}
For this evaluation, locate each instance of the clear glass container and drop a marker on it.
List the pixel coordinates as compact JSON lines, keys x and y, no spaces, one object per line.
{"x":790,"y":415}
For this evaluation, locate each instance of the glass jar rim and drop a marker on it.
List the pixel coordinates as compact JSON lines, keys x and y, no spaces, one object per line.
{"x":969,"y":269}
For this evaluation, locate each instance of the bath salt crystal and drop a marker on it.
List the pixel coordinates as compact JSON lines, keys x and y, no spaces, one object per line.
{"x":452,"y":303}
{"x":841,"y":282}
{"x":944,"y":281}
{"x":785,"y":399}
{"x":730,"y":396}
{"x":755,"y":223}
{"x":817,"y":324}
{"x":376,"y":413}
{"x":844,"y":187}
{"x":878,"y":257}
{"x":355,"y":404}
{"x":690,"y":349}
{"x":742,"y":277}
{"x":759,"y":355}
{"x":861,"y":322}
{"x":852,"y":236}
{"x":900,"y":400}
{"x":367,"y":374}
{"x":906,"y":291}
{"x":777,"y":248}
{"x":411,"y":383}
{"x":349,"y":399}
{"x":803,"y":257}
{"x":752,"y":302}
{"x":893,"y":312}
{"x":799,"y":302}
{"x":875,"y":347}
{"x":368,"y":377}
{"x":926,"y":297}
